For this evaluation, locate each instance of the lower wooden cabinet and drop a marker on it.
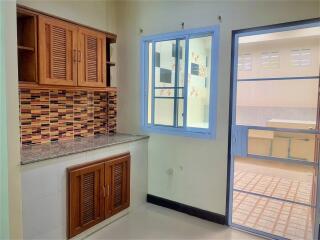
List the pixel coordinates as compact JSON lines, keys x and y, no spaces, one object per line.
{"x":118,"y":187}
{"x":86,"y":198}
{"x":97,"y":191}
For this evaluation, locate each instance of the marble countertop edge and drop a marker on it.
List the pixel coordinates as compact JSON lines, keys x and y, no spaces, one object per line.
{"x":42,"y":152}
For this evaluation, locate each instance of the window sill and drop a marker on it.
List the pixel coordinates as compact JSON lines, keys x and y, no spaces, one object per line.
{"x":204,"y":134}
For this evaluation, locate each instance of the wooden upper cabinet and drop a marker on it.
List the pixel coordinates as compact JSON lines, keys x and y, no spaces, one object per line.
{"x":118,"y":184}
{"x":86,"y":197}
{"x":91,"y":58}
{"x":57,"y":52}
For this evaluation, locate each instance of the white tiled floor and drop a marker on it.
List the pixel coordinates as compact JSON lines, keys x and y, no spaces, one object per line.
{"x":154,"y":222}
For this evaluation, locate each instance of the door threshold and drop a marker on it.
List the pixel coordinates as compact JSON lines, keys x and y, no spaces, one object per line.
{"x":257,"y":233}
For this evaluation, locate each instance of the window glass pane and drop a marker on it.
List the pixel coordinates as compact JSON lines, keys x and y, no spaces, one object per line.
{"x":164,"y":92}
{"x":164,"y":111}
{"x":180,"y":112}
{"x":180,"y":92}
{"x":149,"y":81}
{"x":165,"y":67}
{"x":166,"y":76}
{"x":165,"y":64}
{"x":169,"y":84}
{"x":180,"y":82}
{"x":182,"y":49}
{"x":199,"y":82}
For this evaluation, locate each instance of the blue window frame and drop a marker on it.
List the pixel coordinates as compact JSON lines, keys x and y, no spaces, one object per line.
{"x":179,"y":82}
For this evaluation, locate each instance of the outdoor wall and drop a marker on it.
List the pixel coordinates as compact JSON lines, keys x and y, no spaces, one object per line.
{"x":276,"y":93}
{"x":199,"y":166}
{"x":295,"y":100}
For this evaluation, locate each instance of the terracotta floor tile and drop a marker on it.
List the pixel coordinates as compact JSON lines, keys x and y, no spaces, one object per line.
{"x":285,"y":219}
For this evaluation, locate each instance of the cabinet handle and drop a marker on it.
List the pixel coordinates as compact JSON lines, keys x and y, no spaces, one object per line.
{"x":74,"y":55}
{"x":104,"y":191}
{"x":79,"y":56}
{"x":108,"y":191}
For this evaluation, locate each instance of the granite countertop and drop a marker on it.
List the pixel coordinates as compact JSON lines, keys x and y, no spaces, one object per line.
{"x":41,"y":152}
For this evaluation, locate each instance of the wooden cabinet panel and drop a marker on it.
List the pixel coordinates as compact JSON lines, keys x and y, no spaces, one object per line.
{"x":97,"y":191}
{"x":91,"y":58}
{"x":118,"y":175}
{"x":108,"y":178}
{"x":86,"y":197}
{"x":57,"y":52}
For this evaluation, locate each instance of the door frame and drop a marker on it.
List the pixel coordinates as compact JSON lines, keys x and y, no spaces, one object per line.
{"x":232,"y":108}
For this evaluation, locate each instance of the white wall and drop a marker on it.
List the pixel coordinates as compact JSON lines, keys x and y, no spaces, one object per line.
{"x":97,"y":13}
{"x":200,"y":166}
{"x":11,"y":72}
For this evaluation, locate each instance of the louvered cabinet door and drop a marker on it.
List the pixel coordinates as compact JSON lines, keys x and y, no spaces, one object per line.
{"x":118,"y":181}
{"x":57,"y":52}
{"x":92,"y":58}
{"x":86,"y":197}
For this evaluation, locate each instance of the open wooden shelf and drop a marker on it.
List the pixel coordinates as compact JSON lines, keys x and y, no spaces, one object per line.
{"x":27,"y":42}
{"x":31,"y":85}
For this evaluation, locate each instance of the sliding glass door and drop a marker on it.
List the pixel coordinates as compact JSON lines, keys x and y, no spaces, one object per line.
{"x":275,"y":131}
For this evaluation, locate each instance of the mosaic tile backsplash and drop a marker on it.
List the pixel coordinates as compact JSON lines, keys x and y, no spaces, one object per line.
{"x":57,"y":115}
